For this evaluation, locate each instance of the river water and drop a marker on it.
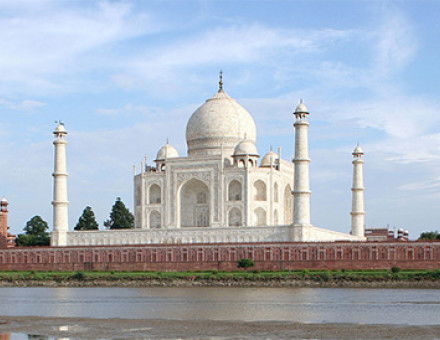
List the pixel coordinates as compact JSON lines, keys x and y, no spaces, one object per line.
{"x":304,"y":305}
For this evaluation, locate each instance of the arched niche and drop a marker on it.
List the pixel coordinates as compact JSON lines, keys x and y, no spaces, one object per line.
{"x":155,"y":195}
{"x":235,"y":217}
{"x":234,"y":191}
{"x":155,"y":219}
{"x":260,"y":217}
{"x":194,"y":204}
{"x":260,"y":191}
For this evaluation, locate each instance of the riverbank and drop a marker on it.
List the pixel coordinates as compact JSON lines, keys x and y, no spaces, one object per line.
{"x":304,"y":278}
{"x":202,"y":329}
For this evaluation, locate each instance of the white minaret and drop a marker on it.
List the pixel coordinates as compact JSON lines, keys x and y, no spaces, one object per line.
{"x":60,"y":202}
{"x":357,"y":209}
{"x":301,"y":185}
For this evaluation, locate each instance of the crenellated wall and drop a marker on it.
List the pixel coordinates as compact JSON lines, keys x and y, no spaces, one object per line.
{"x":267,"y":256}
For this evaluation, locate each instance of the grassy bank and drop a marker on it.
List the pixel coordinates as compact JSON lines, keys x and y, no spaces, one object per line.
{"x":394,"y":278}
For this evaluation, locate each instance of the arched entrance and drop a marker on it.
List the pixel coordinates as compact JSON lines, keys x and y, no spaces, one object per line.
{"x":194,"y":204}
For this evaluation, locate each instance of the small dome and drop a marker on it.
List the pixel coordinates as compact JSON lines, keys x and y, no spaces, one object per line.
{"x":60,"y":128}
{"x":267,"y":158}
{"x":166,"y":151}
{"x":358,"y":150}
{"x":246,"y":147}
{"x":4,"y":200}
{"x":301,"y":108}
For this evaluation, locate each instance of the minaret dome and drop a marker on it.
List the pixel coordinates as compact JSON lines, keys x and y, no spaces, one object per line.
{"x":301,"y":109}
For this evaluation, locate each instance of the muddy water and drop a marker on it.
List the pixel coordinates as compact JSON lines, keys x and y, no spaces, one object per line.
{"x":303,"y":305}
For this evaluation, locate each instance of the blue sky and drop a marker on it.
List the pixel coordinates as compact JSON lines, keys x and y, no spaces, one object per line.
{"x":125,"y":75}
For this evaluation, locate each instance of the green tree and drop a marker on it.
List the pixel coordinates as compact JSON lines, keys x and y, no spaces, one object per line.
{"x":35,"y":233}
{"x":120,"y":217}
{"x":395,"y":270}
{"x":87,"y":220}
{"x":245,"y":263}
{"x":430,"y":235}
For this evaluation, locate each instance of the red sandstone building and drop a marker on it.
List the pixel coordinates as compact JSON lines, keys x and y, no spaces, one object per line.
{"x":7,"y":240}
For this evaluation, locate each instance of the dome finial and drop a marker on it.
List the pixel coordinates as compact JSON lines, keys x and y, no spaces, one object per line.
{"x":220,"y":81}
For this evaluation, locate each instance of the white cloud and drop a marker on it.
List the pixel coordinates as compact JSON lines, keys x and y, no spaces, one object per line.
{"x":396,"y":43}
{"x":24,"y":105}
{"x":41,"y":46}
{"x":432,"y":184}
{"x":170,"y":67}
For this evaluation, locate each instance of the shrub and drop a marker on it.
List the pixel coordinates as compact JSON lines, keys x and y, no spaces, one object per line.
{"x":395,"y":270}
{"x":245,"y":263}
{"x":78,"y":276}
{"x":324,"y":276}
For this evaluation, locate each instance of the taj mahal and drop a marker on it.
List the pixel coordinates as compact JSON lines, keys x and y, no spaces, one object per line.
{"x":222,"y":191}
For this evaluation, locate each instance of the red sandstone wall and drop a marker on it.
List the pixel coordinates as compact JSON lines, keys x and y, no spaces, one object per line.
{"x":3,"y":226}
{"x":269,"y":256}
{"x":3,"y":243}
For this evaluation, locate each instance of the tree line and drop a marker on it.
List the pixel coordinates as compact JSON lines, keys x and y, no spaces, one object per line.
{"x":430,"y":235}
{"x":36,"y":230}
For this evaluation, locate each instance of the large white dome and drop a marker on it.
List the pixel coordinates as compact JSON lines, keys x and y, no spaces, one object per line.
{"x":219,"y":123}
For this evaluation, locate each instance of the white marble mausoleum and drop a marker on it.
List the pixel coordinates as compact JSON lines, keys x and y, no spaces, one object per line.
{"x":223,"y":190}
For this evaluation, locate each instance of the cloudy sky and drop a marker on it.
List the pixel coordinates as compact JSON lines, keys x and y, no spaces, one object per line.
{"x":125,"y":75}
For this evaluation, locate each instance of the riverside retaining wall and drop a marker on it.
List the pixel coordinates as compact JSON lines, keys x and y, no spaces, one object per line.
{"x":267,"y":256}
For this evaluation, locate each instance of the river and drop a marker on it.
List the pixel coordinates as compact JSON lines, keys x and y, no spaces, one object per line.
{"x":304,"y":305}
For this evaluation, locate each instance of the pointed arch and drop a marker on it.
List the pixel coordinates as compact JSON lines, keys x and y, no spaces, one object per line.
{"x":155,"y":194}
{"x":194,"y":204}
{"x":155,"y":219}
{"x":234,"y":190}
{"x":260,"y":191}
{"x":260,"y":217}
{"x":235,"y":217}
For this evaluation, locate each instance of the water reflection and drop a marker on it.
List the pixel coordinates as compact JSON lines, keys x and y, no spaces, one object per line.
{"x":310,"y":305}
